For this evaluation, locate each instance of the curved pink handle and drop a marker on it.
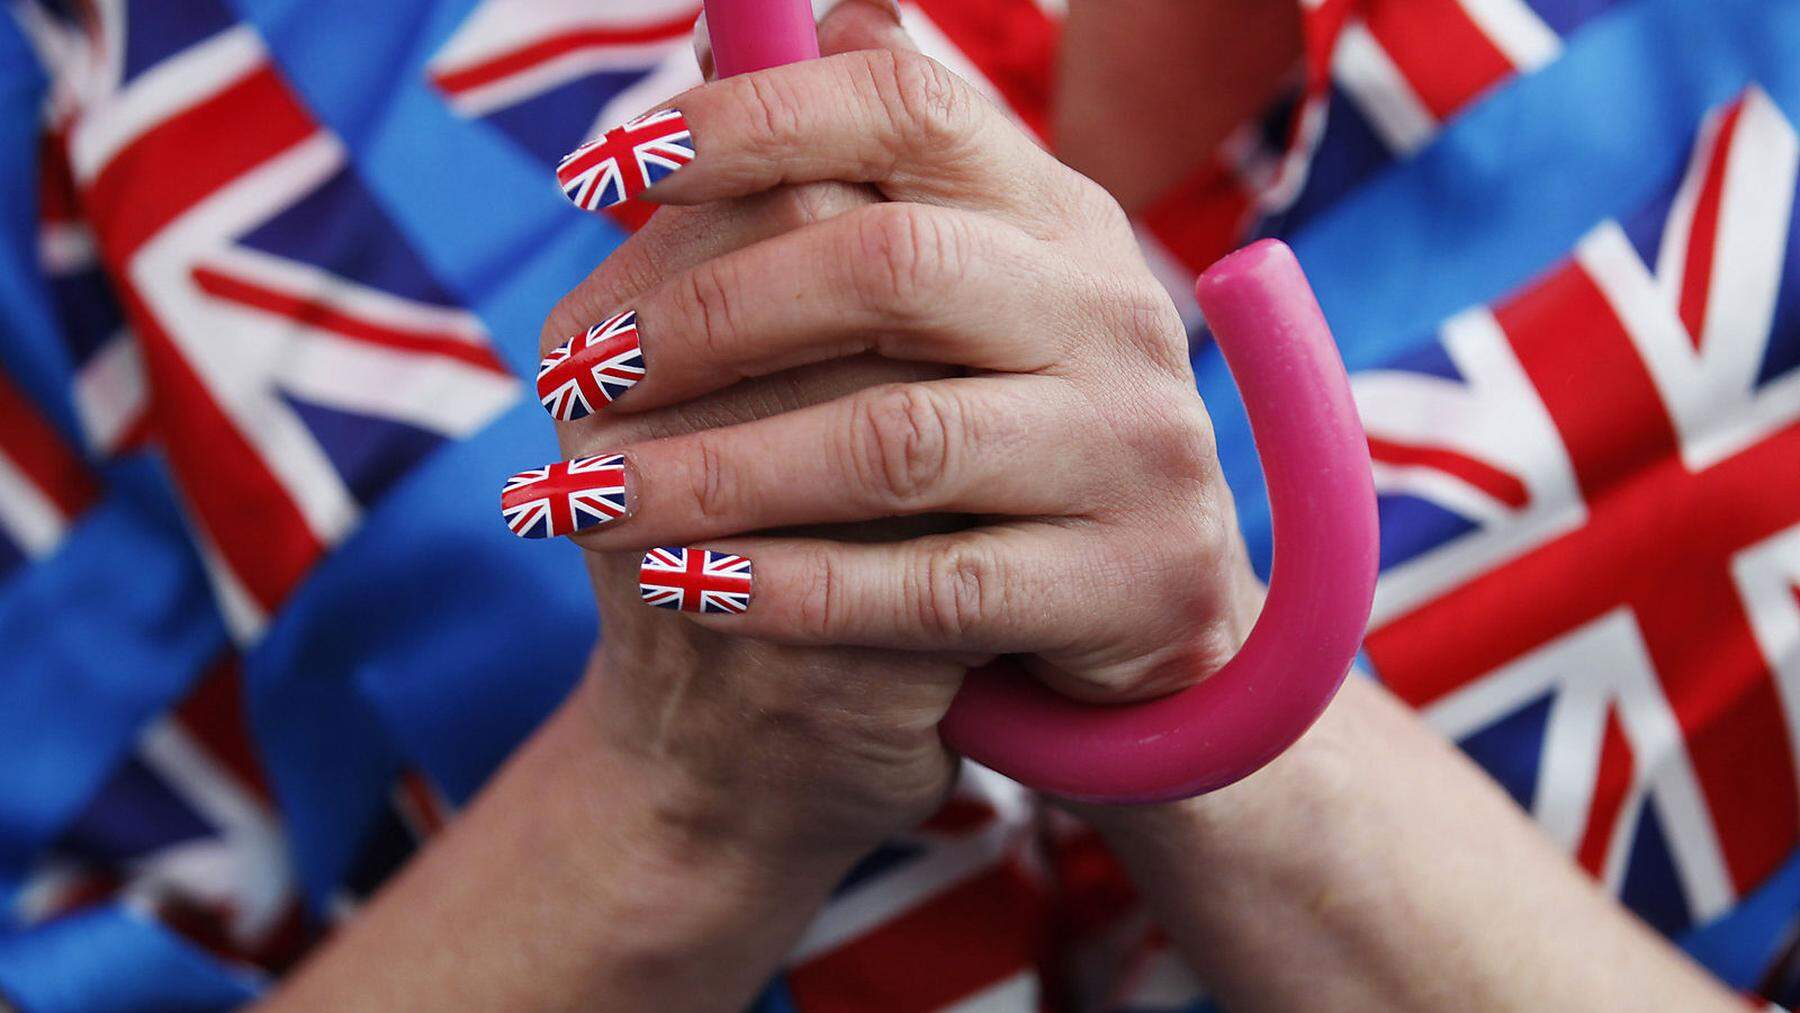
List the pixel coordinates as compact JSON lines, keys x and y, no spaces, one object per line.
{"x":1322,"y":498}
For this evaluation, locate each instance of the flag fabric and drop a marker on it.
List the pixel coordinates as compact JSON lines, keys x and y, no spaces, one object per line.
{"x":260,"y":370}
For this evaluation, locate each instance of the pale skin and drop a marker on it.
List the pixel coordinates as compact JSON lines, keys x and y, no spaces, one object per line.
{"x":969,"y":375}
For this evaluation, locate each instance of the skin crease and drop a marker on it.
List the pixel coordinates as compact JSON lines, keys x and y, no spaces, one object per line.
{"x":664,"y":838}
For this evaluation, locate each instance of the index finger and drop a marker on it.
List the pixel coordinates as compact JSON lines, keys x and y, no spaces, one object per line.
{"x":895,"y":119}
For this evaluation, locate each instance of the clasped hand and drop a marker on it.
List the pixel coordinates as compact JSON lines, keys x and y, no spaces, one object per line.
{"x":882,"y":392}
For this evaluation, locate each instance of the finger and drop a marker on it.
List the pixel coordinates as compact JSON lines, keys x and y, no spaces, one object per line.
{"x":1029,"y":587}
{"x":978,"y":445}
{"x":895,"y":119}
{"x":677,"y":239}
{"x":906,"y":281}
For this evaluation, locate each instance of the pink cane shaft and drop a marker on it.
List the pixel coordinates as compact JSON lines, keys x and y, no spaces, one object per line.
{"x":1322,"y":500}
{"x":752,"y":35}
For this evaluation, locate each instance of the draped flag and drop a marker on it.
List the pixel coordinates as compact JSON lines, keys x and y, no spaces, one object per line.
{"x":269,"y":312}
{"x":1632,"y":417}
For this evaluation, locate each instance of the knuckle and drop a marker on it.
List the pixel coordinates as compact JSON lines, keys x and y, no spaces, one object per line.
{"x":712,"y":490}
{"x":1099,"y":212}
{"x":709,"y":293}
{"x":957,"y":588}
{"x":908,"y":256}
{"x":904,"y":438}
{"x":925,"y":102}
{"x":816,"y":607}
{"x":1192,"y":450}
{"x":771,"y":111}
{"x":1144,"y":312}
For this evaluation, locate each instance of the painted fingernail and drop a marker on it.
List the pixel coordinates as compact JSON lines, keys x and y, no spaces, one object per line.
{"x":695,"y":580}
{"x":565,"y":497}
{"x":590,"y":371}
{"x":624,"y":162}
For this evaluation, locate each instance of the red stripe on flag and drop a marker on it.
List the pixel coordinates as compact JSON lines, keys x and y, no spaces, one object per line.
{"x":1322,"y":25}
{"x":1498,"y":484}
{"x":57,"y":202}
{"x":1611,"y":782}
{"x":257,"y":528}
{"x":1440,"y":51}
{"x":1202,"y":219}
{"x":528,"y":57}
{"x":164,"y":173}
{"x":1659,"y":541}
{"x":1703,"y":237}
{"x":959,"y":817}
{"x":314,"y":313}
{"x":420,"y":805}
{"x":215,"y":715}
{"x":1094,"y":893}
{"x":40,"y":452}
{"x":970,"y":937}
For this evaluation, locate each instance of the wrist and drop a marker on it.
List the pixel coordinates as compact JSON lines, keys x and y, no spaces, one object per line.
{"x":1281,"y":813}
{"x":686,"y":822}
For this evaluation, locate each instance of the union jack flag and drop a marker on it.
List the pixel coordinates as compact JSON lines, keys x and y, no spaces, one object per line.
{"x":204,"y":852}
{"x":44,"y":484}
{"x":549,"y":73}
{"x":565,"y":497}
{"x":110,"y":390}
{"x":1385,"y":76}
{"x":288,"y":394}
{"x":695,"y":580}
{"x":626,"y":160}
{"x":591,"y":369}
{"x":1591,"y":517}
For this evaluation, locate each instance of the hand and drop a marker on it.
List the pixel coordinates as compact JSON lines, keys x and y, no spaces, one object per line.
{"x":1107,"y":546}
{"x":792,"y":755}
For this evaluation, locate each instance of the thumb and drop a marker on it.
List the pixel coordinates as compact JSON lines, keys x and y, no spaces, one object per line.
{"x":844,"y":26}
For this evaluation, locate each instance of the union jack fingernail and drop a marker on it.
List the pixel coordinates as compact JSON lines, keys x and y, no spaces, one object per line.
{"x":695,"y":580}
{"x":626,"y":160}
{"x":565,"y":497}
{"x":590,"y":371}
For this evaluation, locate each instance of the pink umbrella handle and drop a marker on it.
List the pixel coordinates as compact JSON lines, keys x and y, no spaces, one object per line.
{"x":752,"y":35}
{"x":1322,"y":500}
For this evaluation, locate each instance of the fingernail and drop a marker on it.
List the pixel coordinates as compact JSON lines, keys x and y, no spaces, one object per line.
{"x":695,"y":580}
{"x":626,"y":160}
{"x":592,"y":370}
{"x":566,"y":497}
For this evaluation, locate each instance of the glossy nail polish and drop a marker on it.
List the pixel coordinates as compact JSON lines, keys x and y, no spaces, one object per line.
{"x":591,"y":371}
{"x":626,"y":160}
{"x":565,"y":497}
{"x":695,"y":580}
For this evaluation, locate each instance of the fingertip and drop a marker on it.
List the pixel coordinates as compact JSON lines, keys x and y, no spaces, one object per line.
{"x":696,"y":581}
{"x":846,"y":26}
